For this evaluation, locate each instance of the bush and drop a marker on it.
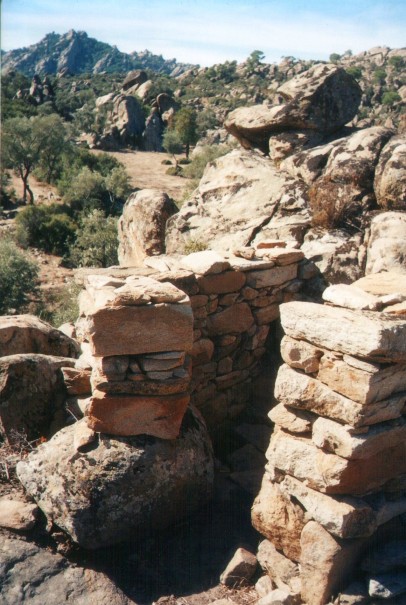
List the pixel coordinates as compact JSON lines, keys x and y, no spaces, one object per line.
{"x":194,"y":245}
{"x":18,"y":278}
{"x":390,"y":97}
{"x":63,"y":306}
{"x":332,"y":204}
{"x":96,"y":244}
{"x":48,"y":228}
{"x":355,"y":72}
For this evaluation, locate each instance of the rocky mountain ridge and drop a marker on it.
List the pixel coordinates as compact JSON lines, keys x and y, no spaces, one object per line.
{"x":75,"y":53}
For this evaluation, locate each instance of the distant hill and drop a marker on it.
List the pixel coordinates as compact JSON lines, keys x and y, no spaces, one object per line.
{"x":76,"y":53}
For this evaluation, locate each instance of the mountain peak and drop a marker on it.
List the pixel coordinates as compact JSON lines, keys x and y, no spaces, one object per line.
{"x":75,"y":52}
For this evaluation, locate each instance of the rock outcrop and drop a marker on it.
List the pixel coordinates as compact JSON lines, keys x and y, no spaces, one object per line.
{"x":35,"y":576}
{"x":386,"y":246}
{"x":322,"y":99}
{"x":32,"y":395}
{"x":29,"y":334}
{"x":141,"y":227}
{"x":120,"y":486}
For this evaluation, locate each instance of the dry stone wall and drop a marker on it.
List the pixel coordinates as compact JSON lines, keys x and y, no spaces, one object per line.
{"x":333,"y":496}
{"x":194,"y":329}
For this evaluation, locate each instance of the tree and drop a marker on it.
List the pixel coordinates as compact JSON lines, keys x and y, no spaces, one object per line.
{"x":29,"y":143}
{"x":172,"y":143}
{"x":55,"y":145}
{"x":186,"y":127}
{"x":21,"y":149}
{"x":334,"y":57}
{"x":255,"y":59}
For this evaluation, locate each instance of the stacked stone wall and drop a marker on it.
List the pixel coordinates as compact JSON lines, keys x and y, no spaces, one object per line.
{"x":333,"y":496}
{"x":203,"y":335}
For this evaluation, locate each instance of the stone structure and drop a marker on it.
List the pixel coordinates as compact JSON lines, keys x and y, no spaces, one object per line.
{"x":218,"y":310}
{"x":334,"y":485}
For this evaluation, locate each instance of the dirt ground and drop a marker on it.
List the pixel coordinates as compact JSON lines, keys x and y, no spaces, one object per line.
{"x":145,"y":169}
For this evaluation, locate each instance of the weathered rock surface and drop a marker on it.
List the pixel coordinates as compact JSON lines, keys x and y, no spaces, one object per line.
{"x":35,"y":576}
{"x":141,"y":227}
{"x":120,"y":486}
{"x":359,"y":380}
{"x":306,"y":393}
{"x":386,"y":246}
{"x":357,"y":333}
{"x":331,"y":474}
{"x":240,"y":569}
{"x":238,"y":193}
{"x":324,"y":98}
{"x":282,"y":571}
{"x":326,"y":563}
{"x":18,"y":515}
{"x":335,"y":253}
{"x":351,"y":297}
{"x":344,"y":517}
{"x":128,"y":119}
{"x":387,"y":283}
{"x":32,"y":394}
{"x":29,"y":334}
{"x":390,"y":175}
{"x":278,"y":519}
{"x":137,"y":415}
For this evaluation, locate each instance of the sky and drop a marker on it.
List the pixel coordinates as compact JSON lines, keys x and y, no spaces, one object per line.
{"x":213,"y":31}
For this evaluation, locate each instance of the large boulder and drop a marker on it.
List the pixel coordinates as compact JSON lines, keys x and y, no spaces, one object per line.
{"x":28,"y":334}
{"x":128,"y":119}
{"x":345,"y":187}
{"x":120,"y":486}
{"x":337,"y":254}
{"x":141,"y":228}
{"x":153,"y":131}
{"x":135,"y":77}
{"x":237,"y":196}
{"x":32,"y":394}
{"x":390,"y":175}
{"x":386,"y":247}
{"x":322,"y":99}
{"x":35,"y":576}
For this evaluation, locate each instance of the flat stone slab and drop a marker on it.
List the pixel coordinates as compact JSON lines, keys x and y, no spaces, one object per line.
{"x":344,"y":517}
{"x":292,"y":388}
{"x":360,"y":333}
{"x":361,"y":381}
{"x":381,"y":284}
{"x":340,"y":439}
{"x":127,"y":330}
{"x":331,"y":474}
{"x":137,"y":415}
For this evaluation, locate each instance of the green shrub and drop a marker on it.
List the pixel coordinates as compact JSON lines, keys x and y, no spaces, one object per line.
{"x":194,"y":245}
{"x":390,"y":97}
{"x":96,"y":243}
{"x":355,"y":72}
{"x":174,"y":171}
{"x":48,"y":228}
{"x":18,"y":278}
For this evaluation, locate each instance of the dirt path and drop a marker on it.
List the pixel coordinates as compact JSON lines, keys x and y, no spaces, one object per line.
{"x":146,"y":171}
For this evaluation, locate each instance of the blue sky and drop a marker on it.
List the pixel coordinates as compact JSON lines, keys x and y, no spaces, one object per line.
{"x":212,"y":31}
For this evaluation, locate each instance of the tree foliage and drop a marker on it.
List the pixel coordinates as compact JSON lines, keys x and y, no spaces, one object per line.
{"x":28,"y":143}
{"x":96,"y":243}
{"x":18,"y":277}
{"x":186,"y":127}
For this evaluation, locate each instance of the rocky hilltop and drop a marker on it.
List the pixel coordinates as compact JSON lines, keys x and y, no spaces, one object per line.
{"x":76,"y":53}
